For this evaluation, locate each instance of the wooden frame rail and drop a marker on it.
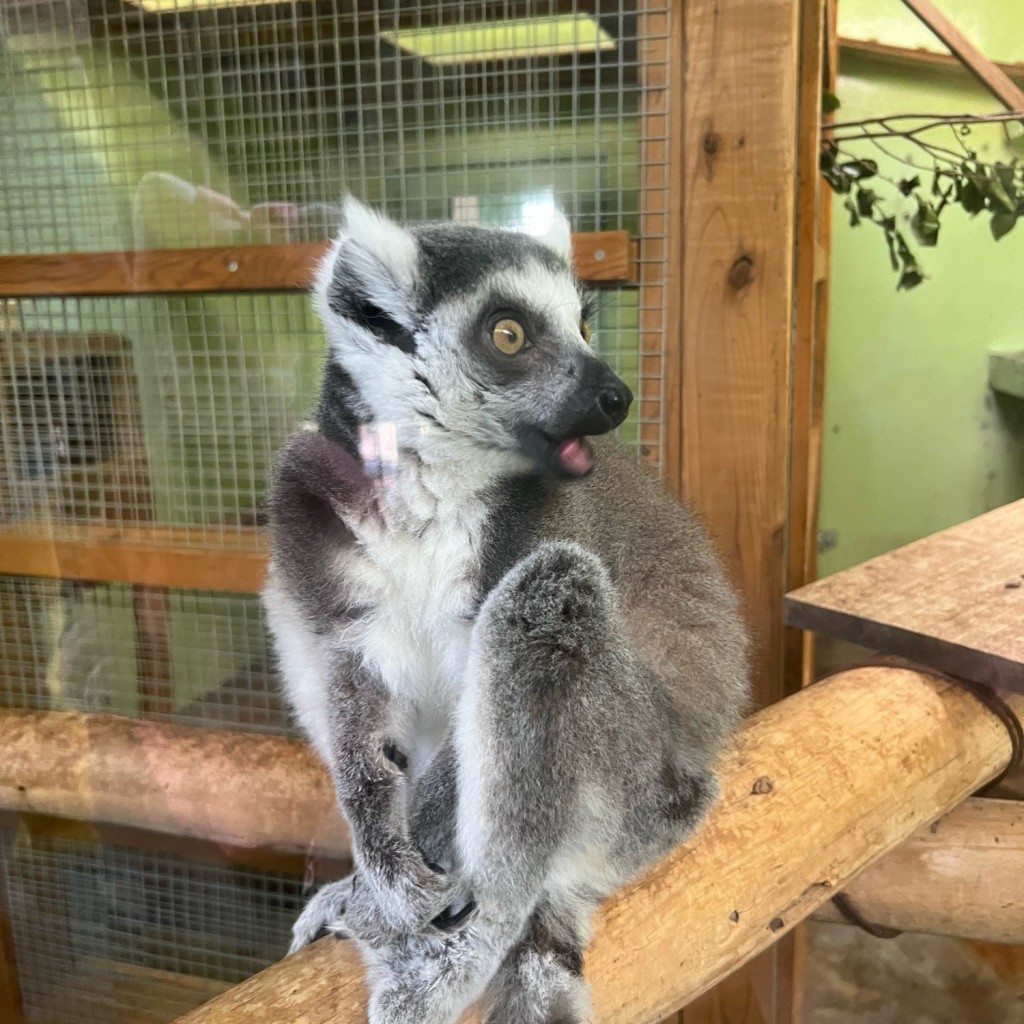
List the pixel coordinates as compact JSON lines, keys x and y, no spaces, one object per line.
{"x":813,"y":792}
{"x":602,"y":257}
{"x":231,"y":561}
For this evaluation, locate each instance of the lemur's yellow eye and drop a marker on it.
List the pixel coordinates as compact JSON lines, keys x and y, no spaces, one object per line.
{"x":508,"y":336}
{"x":585,"y":331}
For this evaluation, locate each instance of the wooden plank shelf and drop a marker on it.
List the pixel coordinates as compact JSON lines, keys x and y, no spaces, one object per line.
{"x":232,"y":561}
{"x":953,"y":601}
{"x":602,"y":257}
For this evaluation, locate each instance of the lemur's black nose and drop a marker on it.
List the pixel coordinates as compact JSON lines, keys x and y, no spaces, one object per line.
{"x":614,"y":402}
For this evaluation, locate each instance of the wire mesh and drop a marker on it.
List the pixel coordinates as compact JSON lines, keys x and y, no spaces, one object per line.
{"x":167,"y":124}
{"x":107,"y":934}
{"x":192,"y":657}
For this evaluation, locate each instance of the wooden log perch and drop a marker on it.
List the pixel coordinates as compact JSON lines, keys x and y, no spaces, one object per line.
{"x":815,"y":789}
{"x":241,"y":790}
{"x":962,"y":875}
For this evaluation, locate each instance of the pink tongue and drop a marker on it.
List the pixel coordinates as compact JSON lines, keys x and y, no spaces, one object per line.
{"x":574,"y":457}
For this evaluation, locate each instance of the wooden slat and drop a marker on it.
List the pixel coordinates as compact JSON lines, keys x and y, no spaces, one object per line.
{"x":906,"y":57}
{"x":246,"y":791}
{"x":739,"y":219}
{"x":953,"y":601}
{"x":986,"y":71}
{"x":151,"y":556}
{"x":602,"y":257}
{"x":11,"y":1009}
{"x":814,"y":220}
{"x":812,"y":792}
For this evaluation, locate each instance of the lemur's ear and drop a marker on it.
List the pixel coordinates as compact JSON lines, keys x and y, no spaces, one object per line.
{"x":369,"y":277}
{"x":558,"y":237}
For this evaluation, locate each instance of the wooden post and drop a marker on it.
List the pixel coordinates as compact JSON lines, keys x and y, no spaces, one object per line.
{"x":812,"y":792}
{"x":740,"y":141}
{"x":10,"y":989}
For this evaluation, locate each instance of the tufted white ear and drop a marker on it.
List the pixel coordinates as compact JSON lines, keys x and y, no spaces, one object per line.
{"x":558,"y":237}
{"x":387,"y":242}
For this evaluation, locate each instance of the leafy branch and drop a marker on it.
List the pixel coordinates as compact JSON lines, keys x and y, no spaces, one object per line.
{"x":944,"y":176}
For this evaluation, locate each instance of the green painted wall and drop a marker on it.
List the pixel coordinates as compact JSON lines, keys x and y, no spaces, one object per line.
{"x":914,"y":440}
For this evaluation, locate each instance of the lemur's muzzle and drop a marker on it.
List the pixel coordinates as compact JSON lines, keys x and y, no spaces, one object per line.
{"x":610,"y":408}
{"x":603,"y":403}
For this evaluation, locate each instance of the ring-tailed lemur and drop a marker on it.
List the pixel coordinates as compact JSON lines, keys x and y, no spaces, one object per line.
{"x":518,"y":657}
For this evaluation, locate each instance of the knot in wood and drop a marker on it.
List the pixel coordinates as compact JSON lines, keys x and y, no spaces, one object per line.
{"x":711,"y":143}
{"x":761,"y":786}
{"x":741,"y":273}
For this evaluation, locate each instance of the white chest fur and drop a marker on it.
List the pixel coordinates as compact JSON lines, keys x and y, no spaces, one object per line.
{"x":410,"y":579}
{"x":413,"y":575}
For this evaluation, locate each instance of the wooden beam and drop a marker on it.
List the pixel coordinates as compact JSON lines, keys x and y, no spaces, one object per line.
{"x":986,"y":71}
{"x":915,"y":58}
{"x":961,"y":876}
{"x":739,"y":223}
{"x":247,"y":791}
{"x":812,"y":792}
{"x":229,"y":561}
{"x":602,"y":257}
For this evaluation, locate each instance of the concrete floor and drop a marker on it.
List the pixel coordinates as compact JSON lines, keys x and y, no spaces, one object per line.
{"x":853,"y":978}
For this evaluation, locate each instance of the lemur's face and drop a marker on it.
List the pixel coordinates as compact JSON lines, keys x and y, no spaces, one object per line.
{"x":469,"y":335}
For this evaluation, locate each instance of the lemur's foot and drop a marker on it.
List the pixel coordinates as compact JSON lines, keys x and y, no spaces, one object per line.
{"x":557,"y":598}
{"x":324,"y":913}
{"x":402,"y":903}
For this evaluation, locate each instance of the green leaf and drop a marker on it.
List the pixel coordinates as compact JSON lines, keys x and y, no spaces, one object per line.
{"x":925,"y":223}
{"x":854,"y":215}
{"x":1002,"y":223}
{"x":890,"y":240}
{"x":969,"y":195}
{"x":829,"y":103}
{"x":840,"y":182}
{"x":859,"y":169}
{"x":1007,"y":174}
{"x":866,"y":200}
{"x":911,"y":277}
{"x":907,"y":185}
{"x":998,"y":196}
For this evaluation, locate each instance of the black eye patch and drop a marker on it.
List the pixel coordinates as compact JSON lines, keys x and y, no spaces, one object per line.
{"x":384,"y":327}
{"x":346,"y":299}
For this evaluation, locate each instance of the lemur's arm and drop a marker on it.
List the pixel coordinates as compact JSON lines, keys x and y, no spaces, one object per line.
{"x":318,"y":486}
{"x":402,"y":892}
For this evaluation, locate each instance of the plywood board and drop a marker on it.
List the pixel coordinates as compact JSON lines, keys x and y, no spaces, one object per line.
{"x":953,"y":601}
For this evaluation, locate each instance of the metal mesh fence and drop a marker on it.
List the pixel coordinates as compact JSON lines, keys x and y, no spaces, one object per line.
{"x":109,"y":934}
{"x":138,"y":419}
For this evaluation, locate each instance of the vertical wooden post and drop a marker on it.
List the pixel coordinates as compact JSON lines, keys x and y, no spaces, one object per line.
{"x":739,"y":221}
{"x":819,"y":56}
{"x":742,"y":131}
{"x":11,"y":1011}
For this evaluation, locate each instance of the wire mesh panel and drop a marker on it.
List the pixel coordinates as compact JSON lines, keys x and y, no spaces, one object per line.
{"x":145,"y":425}
{"x":111,"y":935}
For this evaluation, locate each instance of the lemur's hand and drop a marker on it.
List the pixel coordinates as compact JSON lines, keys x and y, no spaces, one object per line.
{"x":401,"y":900}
